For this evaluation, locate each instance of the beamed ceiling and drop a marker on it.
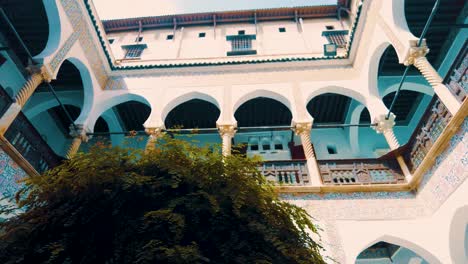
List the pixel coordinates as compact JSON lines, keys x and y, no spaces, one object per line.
{"x":326,"y":109}
{"x":444,"y":26}
{"x":405,"y":105}
{"x":30,"y":20}
{"x":263,"y":112}
{"x":329,"y":108}
{"x":195,"y":113}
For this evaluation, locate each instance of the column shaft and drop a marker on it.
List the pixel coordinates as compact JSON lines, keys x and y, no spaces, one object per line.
{"x":154,"y":133}
{"x":74,"y":147}
{"x":315,"y":176}
{"x":391,"y":139}
{"x":227,"y":132}
{"x":303,"y":129}
{"x":36,"y":77}
{"x":434,"y":79}
{"x":28,"y":88}
{"x":226,"y":144}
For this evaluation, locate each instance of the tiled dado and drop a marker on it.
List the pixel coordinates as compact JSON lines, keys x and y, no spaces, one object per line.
{"x":10,"y":173}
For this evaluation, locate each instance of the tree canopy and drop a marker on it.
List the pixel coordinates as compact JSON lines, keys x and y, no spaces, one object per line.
{"x":177,"y":203}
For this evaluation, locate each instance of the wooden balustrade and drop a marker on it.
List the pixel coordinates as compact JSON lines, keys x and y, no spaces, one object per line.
{"x":433,"y":122}
{"x":29,"y":143}
{"x":289,"y":172}
{"x":362,"y":171}
{"x":457,"y":78}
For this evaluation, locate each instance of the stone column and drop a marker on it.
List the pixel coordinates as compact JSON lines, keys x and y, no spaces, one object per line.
{"x":154,"y":133}
{"x":227,"y":132}
{"x":303,"y":129}
{"x":79,"y":135}
{"x":417,"y":57}
{"x":37,"y":74}
{"x":385,"y":126}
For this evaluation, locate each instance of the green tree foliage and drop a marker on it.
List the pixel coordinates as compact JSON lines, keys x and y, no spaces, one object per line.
{"x":175,"y":204}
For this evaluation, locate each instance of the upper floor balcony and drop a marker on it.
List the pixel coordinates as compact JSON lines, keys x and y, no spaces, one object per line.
{"x":340,"y":149}
{"x":222,"y":37}
{"x":264,"y":129}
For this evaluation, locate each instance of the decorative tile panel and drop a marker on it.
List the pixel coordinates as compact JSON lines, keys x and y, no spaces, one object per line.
{"x":10,"y":173}
{"x":59,"y":56}
{"x":85,"y":38}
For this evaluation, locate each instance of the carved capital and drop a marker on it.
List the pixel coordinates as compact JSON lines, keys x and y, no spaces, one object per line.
{"x":227,"y":129}
{"x":40,"y":70}
{"x":155,"y":132}
{"x":416,"y":52}
{"x":301,"y":128}
{"x":79,"y":131}
{"x":384,"y":124}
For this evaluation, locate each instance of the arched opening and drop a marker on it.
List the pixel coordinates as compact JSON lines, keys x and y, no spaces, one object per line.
{"x":119,"y":125}
{"x":31,"y":22}
{"x":197,"y":120}
{"x":264,"y":130}
{"x":332,"y":138}
{"x":458,"y":236}
{"x":263,"y":111}
{"x":41,"y":131}
{"x":384,"y":252}
{"x":195,"y":113}
{"x":47,"y":116}
{"x":409,"y":108}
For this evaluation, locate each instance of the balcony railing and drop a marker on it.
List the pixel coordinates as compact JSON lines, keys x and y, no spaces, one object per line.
{"x":433,"y":122}
{"x":359,"y":172}
{"x":457,"y":79}
{"x":288,"y":172}
{"x":27,"y":141}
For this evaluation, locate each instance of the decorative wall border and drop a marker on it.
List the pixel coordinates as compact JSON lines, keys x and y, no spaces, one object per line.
{"x":78,"y":22}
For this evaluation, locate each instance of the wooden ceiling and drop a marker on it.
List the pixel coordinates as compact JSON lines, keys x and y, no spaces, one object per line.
{"x":446,"y":23}
{"x":30,"y":20}
{"x":195,"y":113}
{"x":263,"y":111}
{"x":329,"y":108}
{"x":404,"y":107}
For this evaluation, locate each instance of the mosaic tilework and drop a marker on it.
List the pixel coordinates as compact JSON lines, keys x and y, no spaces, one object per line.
{"x":449,"y":171}
{"x":116,"y":83}
{"x":10,"y":173}
{"x":59,"y":56}
{"x":77,"y":19}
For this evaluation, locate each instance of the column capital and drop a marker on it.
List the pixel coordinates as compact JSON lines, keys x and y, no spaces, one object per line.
{"x":416,"y":51}
{"x":39,"y":69}
{"x":79,"y":131}
{"x":227,"y":129}
{"x":156,"y":132}
{"x":384,"y":124}
{"x":301,"y":127}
